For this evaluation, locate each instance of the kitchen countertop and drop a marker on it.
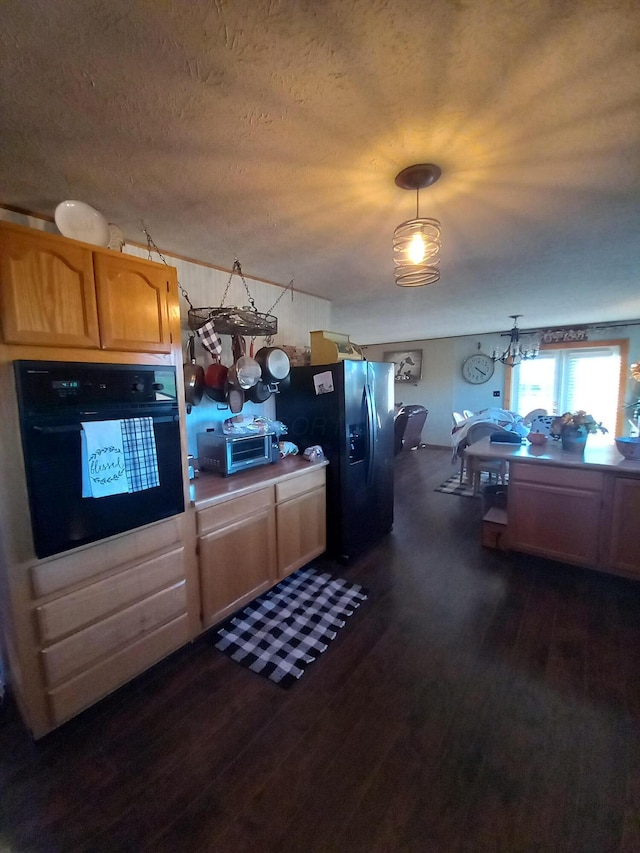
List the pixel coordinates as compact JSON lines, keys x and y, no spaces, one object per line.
{"x":209,"y":488}
{"x":599,"y":456}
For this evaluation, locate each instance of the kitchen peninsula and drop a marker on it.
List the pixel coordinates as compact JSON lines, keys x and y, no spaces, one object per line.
{"x":582,"y":509}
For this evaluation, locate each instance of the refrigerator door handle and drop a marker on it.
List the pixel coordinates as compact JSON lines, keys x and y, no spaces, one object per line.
{"x":371,"y":429}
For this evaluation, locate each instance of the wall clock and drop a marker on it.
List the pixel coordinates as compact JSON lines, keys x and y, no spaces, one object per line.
{"x":478,"y":368}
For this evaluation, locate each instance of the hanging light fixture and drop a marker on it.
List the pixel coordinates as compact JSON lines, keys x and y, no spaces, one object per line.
{"x":416,"y":242}
{"x":517,"y":350}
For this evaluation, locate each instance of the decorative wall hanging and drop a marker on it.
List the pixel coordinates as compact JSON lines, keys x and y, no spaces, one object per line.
{"x":408,"y":364}
{"x":564,"y":336}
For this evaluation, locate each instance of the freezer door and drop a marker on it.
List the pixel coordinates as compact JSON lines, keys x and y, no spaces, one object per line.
{"x":354,"y":425}
{"x":367,"y":469}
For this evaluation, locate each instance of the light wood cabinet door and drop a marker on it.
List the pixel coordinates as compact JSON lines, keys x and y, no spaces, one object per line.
{"x":624,"y":554}
{"x":47,"y":290}
{"x":237,"y":563}
{"x":133,"y":303}
{"x":558,"y":523}
{"x":301,"y":530}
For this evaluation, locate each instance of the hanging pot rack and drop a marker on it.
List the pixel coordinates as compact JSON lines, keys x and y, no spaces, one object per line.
{"x":233,"y":320}
{"x":229,"y":320}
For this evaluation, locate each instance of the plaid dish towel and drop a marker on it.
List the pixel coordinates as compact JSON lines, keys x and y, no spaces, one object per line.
{"x":140,"y":459}
{"x":210,"y":338}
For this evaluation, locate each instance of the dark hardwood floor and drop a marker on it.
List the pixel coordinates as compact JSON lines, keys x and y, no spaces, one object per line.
{"x":478,"y":701}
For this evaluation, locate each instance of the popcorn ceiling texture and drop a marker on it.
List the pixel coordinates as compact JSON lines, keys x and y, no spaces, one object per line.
{"x":273,"y":130}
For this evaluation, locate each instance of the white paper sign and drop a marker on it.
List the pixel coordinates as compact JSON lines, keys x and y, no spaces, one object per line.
{"x":323,"y":382}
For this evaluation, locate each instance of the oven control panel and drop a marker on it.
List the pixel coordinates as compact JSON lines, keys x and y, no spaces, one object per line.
{"x":47,"y":386}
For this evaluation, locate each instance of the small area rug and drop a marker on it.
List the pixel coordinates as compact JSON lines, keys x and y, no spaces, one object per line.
{"x":279,"y":634}
{"x":452,"y":486}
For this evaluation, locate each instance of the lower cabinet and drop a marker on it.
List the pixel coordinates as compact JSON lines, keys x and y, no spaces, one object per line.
{"x":624,"y":554}
{"x":100,"y":621}
{"x":247,"y":544}
{"x":555,"y":512}
{"x":301,"y":526}
{"x":237,"y":560}
{"x":584,"y":517}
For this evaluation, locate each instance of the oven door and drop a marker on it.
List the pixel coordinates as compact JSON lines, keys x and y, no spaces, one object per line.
{"x":61,"y":518}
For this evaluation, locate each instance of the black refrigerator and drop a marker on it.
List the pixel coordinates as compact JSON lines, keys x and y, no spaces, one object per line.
{"x":347,"y":408}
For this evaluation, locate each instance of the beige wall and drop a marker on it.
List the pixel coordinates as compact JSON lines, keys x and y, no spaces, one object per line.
{"x":443,"y":390}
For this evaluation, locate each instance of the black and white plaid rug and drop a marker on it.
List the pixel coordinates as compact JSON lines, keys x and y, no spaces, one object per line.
{"x":452,"y":486}
{"x":287,"y":628}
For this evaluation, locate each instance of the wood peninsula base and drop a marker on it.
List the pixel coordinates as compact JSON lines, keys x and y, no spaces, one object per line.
{"x":582,"y":509}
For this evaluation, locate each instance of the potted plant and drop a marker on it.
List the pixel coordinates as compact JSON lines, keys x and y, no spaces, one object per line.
{"x":573,"y":428}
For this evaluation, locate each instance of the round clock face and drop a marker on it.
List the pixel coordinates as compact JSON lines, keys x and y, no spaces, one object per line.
{"x":478,"y":368}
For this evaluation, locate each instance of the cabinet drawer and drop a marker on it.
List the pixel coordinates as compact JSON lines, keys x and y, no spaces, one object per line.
{"x":570,"y":478}
{"x":299,"y":485}
{"x":85,"y":689}
{"x":62,"y":572}
{"x":227,"y":512}
{"x":81,"y":650}
{"x":71,"y":612}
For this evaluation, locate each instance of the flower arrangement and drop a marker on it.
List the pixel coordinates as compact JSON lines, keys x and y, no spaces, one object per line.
{"x":576,"y":421}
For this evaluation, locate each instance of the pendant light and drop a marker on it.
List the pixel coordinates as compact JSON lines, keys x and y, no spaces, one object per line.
{"x":516,"y":350}
{"x":416,"y":242}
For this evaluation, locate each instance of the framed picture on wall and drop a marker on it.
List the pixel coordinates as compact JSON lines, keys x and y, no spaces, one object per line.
{"x":408,"y":364}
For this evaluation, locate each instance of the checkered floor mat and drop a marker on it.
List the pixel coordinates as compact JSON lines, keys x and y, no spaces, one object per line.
{"x":287,"y":628}
{"x":452,"y":486}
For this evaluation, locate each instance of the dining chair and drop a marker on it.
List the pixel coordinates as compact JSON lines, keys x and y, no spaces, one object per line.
{"x":473,"y":467}
{"x":457,"y":419}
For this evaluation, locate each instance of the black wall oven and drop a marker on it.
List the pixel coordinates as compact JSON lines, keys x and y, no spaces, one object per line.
{"x":55,"y":399}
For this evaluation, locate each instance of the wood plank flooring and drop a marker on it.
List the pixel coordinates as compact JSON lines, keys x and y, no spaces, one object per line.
{"x":478,"y":701}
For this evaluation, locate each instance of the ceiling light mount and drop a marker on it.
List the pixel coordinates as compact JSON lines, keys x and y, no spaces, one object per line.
{"x":416,"y":242}
{"x":418,"y":177}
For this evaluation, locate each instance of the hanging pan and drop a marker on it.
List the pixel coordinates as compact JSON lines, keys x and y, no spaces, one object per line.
{"x":215,"y":381}
{"x":193,"y":377}
{"x":246,"y":371}
{"x":234,"y":397}
{"x":259,"y":393}
{"x":274,"y":364}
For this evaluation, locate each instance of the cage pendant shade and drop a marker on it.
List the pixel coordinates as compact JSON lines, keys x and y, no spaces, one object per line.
{"x":416,"y":242}
{"x":411,"y":270}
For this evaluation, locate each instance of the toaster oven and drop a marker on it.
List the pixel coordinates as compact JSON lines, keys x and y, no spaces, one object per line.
{"x":228,"y":454}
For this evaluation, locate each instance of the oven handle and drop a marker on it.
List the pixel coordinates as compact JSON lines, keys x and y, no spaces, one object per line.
{"x":77,"y":427}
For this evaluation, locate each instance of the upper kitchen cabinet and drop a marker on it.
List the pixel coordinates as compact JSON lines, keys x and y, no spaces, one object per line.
{"x":47,"y":290}
{"x":58,"y":292}
{"x":133,"y":303}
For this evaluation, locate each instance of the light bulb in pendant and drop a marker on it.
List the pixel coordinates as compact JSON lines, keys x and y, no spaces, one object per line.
{"x":417,"y":249}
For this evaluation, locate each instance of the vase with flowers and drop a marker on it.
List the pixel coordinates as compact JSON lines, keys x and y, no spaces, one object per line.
{"x":573,"y":428}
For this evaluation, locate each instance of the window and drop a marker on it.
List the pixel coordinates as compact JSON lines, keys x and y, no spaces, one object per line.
{"x":569,"y":379}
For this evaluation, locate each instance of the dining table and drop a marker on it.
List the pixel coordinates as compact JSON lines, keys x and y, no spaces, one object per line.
{"x":507,"y":420}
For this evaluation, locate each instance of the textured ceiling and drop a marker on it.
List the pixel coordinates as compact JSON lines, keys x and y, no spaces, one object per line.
{"x":273,"y":131}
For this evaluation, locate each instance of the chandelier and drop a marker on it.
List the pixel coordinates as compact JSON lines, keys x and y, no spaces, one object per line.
{"x":517,"y":349}
{"x":416,"y":242}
